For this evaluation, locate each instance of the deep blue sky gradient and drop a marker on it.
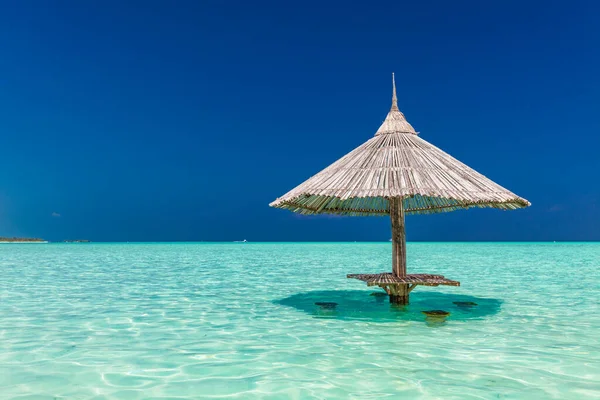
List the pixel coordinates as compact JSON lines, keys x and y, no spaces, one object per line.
{"x":150,"y":121}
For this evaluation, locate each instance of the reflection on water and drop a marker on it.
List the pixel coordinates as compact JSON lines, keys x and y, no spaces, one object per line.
{"x":375,"y":307}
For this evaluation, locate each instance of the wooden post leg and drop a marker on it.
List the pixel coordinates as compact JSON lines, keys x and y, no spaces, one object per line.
{"x":399,"y":294}
{"x":398,"y":237}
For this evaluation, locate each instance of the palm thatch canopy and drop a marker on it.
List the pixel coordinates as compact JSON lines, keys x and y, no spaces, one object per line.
{"x":396,"y":163}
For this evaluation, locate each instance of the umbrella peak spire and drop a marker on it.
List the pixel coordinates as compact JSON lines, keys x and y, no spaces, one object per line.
{"x":395,"y":122}
{"x":394,"y":98}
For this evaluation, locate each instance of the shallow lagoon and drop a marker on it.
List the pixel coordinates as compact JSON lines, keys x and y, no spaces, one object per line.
{"x":202,"y":320}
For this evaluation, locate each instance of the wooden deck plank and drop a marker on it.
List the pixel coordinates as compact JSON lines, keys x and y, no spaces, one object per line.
{"x":387,"y":278}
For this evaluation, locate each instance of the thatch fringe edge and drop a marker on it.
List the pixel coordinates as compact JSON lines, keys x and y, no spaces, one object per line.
{"x":423,"y":205}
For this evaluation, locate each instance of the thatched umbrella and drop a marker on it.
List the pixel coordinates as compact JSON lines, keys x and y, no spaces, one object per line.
{"x":397,"y":173}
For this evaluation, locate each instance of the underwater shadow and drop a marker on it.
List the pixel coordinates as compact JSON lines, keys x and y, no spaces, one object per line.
{"x":375,"y":306}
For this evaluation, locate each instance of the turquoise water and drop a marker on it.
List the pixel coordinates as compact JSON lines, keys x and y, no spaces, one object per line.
{"x":238,"y":321}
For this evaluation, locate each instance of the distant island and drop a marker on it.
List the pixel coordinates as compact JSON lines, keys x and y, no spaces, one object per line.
{"x":77,"y":241}
{"x":21,"y":240}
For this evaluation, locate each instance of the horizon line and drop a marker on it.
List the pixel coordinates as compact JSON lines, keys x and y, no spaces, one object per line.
{"x":311,"y":241}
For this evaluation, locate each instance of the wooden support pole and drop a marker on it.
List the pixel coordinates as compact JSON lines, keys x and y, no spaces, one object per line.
{"x":398,"y":237}
{"x":398,"y":293}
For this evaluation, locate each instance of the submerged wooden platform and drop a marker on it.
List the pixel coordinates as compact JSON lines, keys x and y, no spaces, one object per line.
{"x":399,"y":287}
{"x":388,"y":278}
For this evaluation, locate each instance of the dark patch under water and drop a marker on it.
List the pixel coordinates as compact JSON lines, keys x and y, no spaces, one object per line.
{"x":436,"y":313}
{"x":326,"y":304}
{"x":465,"y":303}
{"x":362,"y":305}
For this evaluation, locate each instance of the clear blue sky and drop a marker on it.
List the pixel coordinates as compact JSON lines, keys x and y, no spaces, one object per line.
{"x":148,"y":121}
